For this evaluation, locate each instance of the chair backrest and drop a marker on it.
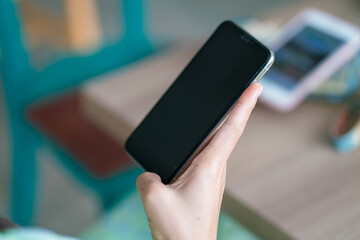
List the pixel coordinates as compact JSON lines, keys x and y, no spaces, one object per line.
{"x":22,"y":84}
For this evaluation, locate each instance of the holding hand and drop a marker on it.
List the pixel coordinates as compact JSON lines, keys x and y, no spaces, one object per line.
{"x":189,"y":208}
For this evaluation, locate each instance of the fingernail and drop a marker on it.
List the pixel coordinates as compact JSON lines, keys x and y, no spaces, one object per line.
{"x":259,"y":90}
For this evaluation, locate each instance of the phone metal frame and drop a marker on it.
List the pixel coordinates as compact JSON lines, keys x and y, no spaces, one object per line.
{"x":256,"y":78}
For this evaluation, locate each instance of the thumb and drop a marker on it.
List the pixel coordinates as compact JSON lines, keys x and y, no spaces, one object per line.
{"x":148,"y":182}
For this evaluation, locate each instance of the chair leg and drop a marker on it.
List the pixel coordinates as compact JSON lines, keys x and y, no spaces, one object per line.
{"x":23,"y":174}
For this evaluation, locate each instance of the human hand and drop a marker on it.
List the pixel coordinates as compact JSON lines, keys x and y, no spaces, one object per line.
{"x":189,"y":208}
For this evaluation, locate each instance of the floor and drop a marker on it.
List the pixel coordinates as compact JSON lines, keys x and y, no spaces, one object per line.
{"x":184,"y":19}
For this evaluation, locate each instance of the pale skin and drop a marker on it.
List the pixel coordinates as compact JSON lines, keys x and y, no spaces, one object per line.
{"x":189,"y":208}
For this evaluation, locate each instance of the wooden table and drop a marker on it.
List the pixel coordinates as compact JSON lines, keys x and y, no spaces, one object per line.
{"x":285,"y":181}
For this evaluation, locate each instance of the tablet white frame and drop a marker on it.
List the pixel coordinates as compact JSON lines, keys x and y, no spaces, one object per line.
{"x":284,"y":99}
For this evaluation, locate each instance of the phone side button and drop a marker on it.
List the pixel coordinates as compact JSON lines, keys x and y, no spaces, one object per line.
{"x":261,"y":74}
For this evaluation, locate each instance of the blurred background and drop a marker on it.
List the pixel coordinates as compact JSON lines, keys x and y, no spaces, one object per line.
{"x":56,"y":45}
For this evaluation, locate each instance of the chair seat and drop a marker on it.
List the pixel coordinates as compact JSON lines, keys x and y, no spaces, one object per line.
{"x":62,"y":121}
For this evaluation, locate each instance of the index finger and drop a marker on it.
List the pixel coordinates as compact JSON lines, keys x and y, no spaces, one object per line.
{"x":224,"y":141}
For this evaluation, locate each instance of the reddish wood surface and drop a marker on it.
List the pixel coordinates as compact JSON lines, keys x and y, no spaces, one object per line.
{"x":61,"y":119}
{"x":5,"y":224}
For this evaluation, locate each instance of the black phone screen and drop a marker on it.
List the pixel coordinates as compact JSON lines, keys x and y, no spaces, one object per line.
{"x":193,"y":105}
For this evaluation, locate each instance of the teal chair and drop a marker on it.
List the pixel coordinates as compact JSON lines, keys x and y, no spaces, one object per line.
{"x":23,"y":86}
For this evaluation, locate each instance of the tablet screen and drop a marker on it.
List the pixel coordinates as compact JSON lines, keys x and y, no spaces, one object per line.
{"x":300,"y":55}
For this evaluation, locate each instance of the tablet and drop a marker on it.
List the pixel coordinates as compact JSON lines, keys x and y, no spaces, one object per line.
{"x":311,"y":47}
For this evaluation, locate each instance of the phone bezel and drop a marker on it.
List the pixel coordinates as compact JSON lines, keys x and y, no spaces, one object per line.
{"x":257,"y":76}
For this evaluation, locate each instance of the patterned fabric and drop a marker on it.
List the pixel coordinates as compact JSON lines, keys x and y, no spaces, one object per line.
{"x":128,"y":221}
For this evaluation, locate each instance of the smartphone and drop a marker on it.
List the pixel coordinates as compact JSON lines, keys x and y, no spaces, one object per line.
{"x":308,"y":51}
{"x":197,"y":103}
